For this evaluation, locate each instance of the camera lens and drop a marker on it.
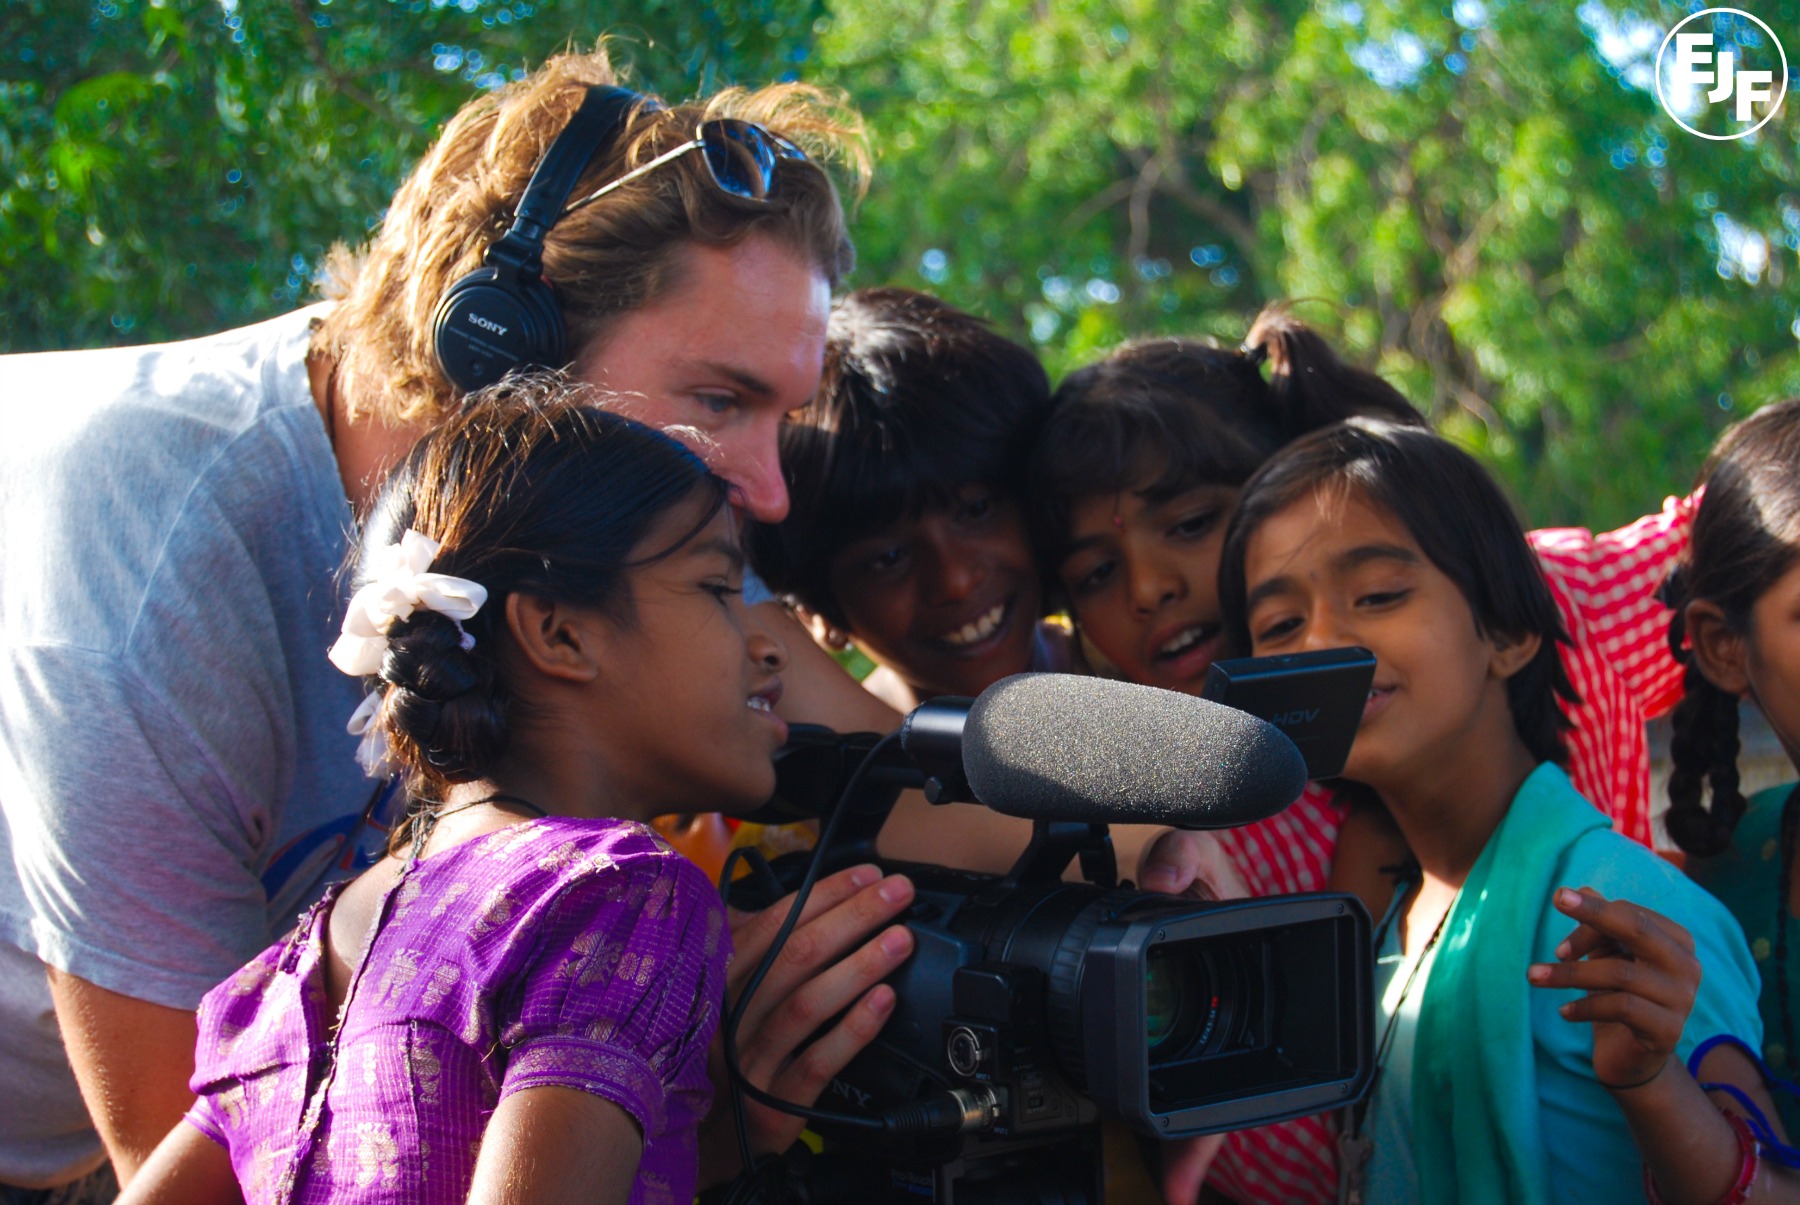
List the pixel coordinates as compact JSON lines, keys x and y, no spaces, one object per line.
{"x":1180,"y":1003}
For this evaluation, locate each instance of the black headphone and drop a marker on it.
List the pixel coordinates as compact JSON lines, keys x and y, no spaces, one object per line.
{"x":504,"y":314}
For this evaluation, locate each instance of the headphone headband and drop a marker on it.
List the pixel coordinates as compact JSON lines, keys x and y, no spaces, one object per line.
{"x":504,"y":315}
{"x":597,"y":122}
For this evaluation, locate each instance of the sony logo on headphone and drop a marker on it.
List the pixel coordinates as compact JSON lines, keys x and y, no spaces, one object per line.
{"x":485,"y":325}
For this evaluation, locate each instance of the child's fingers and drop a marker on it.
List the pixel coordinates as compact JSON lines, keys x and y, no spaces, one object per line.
{"x":1656,"y":1027}
{"x":751,"y":932}
{"x":1644,"y":934}
{"x":805,"y":1078}
{"x":822,"y":996}
{"x":1586,"y":942}
{"x":818,"y":945}
{"x":1616,"y":975}
{"x":1172,"y":862}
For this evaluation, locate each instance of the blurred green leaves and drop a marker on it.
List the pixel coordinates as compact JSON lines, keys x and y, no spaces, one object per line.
{"x":1472,"y":196}
{"x":1480,"y":198}
{"x":178,"y":166}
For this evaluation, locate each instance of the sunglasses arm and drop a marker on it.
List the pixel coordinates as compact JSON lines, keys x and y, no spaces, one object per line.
{"x":634,"y":173}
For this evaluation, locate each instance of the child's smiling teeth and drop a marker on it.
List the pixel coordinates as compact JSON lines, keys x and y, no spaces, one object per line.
{"x":977,"y":629}
{"x":1186,"y":638}
{"x":759,"y":703}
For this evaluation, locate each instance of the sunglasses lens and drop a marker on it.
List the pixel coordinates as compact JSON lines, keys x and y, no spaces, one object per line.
{"x":740,"y":158}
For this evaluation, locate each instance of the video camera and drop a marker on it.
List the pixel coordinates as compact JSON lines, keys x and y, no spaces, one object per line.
{"x":1033,"y":1006}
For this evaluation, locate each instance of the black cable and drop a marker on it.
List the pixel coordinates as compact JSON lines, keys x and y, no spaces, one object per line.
{"x":736,"y":1015}
{"x":750,"y":1186}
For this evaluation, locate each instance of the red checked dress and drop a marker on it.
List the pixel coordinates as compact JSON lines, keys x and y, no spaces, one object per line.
{"x":1605,"y":587}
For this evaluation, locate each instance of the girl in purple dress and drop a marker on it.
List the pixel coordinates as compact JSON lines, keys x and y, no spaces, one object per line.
{"x":517,"y":1003}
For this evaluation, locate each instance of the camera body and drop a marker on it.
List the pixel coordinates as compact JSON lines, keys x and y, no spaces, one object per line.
{"x":1043,"y":1005}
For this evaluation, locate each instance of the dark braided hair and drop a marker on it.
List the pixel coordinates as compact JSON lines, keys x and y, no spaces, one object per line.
{"x":1746,"y":536}
{"x":530,"y":488}
{"x":1163,"y":416}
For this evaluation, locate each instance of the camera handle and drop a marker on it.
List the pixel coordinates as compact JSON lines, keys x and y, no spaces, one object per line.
{"x":1054,"y":843}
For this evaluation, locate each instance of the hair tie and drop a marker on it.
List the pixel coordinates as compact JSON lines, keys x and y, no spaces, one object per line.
{"x":1673,"y":594}
{"x":400,"y":585}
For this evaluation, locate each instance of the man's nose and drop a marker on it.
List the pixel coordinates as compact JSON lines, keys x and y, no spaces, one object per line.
{"x":757,"y":485}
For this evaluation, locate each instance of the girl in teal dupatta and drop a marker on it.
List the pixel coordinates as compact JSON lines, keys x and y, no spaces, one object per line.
{"x":1489,"y":1088}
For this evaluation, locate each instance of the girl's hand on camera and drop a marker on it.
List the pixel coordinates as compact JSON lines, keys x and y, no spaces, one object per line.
{"x":830,"y":964}
{"x":1640,"y":974}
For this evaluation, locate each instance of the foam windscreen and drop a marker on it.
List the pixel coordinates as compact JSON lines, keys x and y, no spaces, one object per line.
{"x":1066,"y":747}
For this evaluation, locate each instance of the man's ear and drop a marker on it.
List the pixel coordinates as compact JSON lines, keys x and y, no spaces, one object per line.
{"x":555,"y":639}
{"x":1513,"y":653}
{"x":823,"y":633}
{"x":1722,"y":654}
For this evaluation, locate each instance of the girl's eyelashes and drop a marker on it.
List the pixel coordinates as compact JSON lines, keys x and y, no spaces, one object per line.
{"x":721,"y":588}
{"x":1195,"y":526}
{"x":975,"y":508}
{"x":1085,"y":583}
{"x":1383,"y":598}
{"x":1277,"y":629}
{"x":887,"y":560}
{"x":717,"y":403}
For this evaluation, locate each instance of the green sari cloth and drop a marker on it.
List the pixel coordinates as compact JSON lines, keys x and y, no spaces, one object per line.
{"x":1476,"y":1116}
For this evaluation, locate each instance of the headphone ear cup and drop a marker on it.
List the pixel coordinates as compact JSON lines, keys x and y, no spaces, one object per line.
{"x":493,"y":321}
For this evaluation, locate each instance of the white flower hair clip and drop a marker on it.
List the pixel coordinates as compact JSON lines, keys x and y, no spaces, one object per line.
{"x":400,"y":585}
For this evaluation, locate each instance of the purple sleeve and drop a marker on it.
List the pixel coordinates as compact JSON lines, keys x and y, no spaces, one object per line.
{"x":622,"y":992}
{"x":203,"y":1117}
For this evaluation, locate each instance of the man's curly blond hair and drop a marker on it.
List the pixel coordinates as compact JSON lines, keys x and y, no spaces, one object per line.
{"x":604,"y":259}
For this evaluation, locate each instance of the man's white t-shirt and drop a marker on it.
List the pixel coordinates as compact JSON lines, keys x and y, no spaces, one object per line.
{"x":175,"y":773}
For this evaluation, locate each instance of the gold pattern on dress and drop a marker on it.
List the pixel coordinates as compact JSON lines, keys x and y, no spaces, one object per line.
{"x":371,"y":1066}
{"x":406,"y":897}
{"x":496,"y":910}
{"x":443,"y":978}
{"x":563,"y":857}
{"x":377,"y":1154}
{"x":425,"y":1068}
{"x":600,"y":954}
{"x":402,"y":966}
{"x":250,"y":977}
{"x":448,"y":898}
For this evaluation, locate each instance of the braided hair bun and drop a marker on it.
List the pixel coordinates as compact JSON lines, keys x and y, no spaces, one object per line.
{"x":443,"y":708}
{"x":531,"y":487}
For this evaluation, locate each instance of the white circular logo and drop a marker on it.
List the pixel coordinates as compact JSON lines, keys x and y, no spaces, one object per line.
{"x":1710,"y":78}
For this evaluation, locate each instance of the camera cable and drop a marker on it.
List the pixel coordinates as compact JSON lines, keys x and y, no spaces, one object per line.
{"x":752,"y":1184}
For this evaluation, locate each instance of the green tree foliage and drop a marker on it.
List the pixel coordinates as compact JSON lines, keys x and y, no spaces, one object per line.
{"x":178,"y":166}
{"x":1482,"y":199}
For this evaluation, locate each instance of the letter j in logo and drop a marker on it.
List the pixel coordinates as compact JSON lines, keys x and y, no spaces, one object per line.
{"x":1724,"y":67}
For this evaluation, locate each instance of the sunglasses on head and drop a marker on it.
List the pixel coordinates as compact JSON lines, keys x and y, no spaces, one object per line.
{"x":740,"y":155}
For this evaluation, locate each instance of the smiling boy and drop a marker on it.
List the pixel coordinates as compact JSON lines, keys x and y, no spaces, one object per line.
{"x":906,"y":533}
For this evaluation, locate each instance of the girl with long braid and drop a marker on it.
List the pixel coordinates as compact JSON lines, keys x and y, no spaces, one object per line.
{"x":1737,"y":625}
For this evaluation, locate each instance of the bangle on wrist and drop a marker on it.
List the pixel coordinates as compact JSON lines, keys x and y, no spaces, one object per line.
{"x":1749,"y":1163}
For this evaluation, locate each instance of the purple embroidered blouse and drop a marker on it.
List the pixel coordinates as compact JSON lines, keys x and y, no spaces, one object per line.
{"x":578,"y":953}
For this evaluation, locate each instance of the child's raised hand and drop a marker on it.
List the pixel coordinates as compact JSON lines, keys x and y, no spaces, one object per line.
{"x":1640,"y":974}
